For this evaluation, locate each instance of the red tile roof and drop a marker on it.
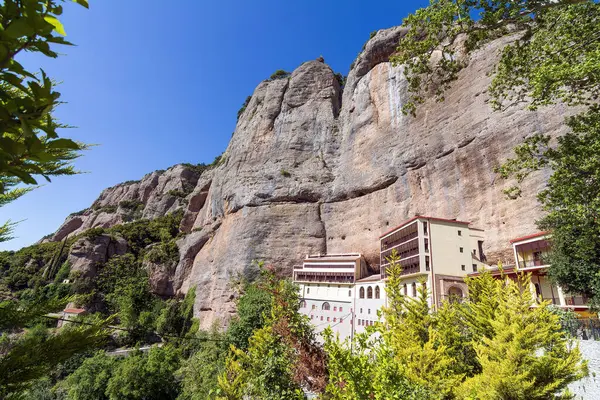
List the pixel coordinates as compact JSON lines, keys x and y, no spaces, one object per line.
{"x":534,"y":235}
{"x":427,"y":218}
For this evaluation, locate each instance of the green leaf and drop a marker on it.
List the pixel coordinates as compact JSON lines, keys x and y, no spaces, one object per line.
{"x":19,"y":28}
{"x":82,"y":3}
{"x":58,"y":27}
{"x":63,"y":144}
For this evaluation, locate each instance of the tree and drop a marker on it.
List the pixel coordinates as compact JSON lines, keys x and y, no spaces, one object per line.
{"x":282,"y":356}
{"x":552,"y":55}
{"x":146,"y":376}
{"x":253,"y":307}
{"x":571,"y":200}
{"x":28,"y":350}
{"x":90,"y":380}
{"x":29,"y":142}
{"x":493,"y":346}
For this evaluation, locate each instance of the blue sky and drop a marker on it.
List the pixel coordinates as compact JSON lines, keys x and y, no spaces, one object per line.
{"x":155,"y":83}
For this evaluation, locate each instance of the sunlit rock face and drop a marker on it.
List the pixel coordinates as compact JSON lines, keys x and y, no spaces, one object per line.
{"x":313,"y":167}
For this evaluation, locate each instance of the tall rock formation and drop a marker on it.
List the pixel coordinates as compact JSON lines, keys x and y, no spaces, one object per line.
{"x":313,"y":167}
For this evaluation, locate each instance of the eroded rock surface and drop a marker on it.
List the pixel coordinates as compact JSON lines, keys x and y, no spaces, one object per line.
{"x":314,"y":168}
{"x":87,"y":253}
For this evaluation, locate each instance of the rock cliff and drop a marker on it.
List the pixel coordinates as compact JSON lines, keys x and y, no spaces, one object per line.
{"x":314,"y":167}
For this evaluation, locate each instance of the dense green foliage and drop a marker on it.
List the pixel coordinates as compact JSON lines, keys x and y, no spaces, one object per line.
{"x":553,"y":56}
{"x":492,"y":346}
{"x":243,"y":107}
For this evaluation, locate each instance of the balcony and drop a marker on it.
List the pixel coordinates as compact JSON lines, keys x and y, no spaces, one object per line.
{"x":410,"y":267}
{"x":324,"y":277}
{"x":403,"y":254}
{"x":532,"y":263}
{"x":402,"y":239}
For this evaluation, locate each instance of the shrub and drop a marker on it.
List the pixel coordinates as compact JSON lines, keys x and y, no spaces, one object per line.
{"x":243,"y":108}
{"x":279,"y":74}
{"x":285,"y":173}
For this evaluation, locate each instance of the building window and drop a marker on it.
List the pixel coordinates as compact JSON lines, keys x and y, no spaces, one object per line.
{"x":474,"y":252}
{"x":341,"y":309}
{"x":405,"y":290}
{"x":361,"y":293}
{"x":459,"y":233}
{"x":349,"y":293}
{"x":307,"y":290}
{"x":334,"y":308}
{"x":426,"y":263}
{"x":314,"y":306}
{"x":334,"y":319}
{"x":463,"y":267}
{"x":321,"y":318}
{"x":369,"y":292}
{"x":474,"y":267}
{"x":414,"y":289}
{"x":377,"y":292}
{"x":361,"y":311}
{"x":303,"y":304}
{"x":327,"y":319}
{"x":425,"y":227}
{"x":426,"y":245}
{"x":424,"y":285}
{"x":312,"y":316}
{"x":369,"y":311}
{"x":461,"y":249}
{"x":326,"y":306}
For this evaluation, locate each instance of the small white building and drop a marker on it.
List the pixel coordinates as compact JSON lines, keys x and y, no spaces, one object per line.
{"x":327,"y":286}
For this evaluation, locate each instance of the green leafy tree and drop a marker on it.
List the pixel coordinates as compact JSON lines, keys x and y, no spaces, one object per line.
{"x":29,"y":142}
{"x":571,"y":200}
{"x":282,"y":356}
{"x":90,"y":380}
{"x":27,"y":355}
{"x":253,"y":307}
{"x":146,"y":376}
{"x":492,"y":346}
{"x":552,"y":55}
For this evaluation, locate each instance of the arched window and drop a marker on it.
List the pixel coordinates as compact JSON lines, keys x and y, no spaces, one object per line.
{"x":377,"y":292}
{"x":303,"y":304}
{"x":369,"y":292}
{"x":405,"y":290}
{"x":326,"y":306}
{"x":414,"y":289}
{"x":362,"y":293}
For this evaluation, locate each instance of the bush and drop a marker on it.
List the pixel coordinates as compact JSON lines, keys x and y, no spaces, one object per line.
{"x":279,"y":74}
{"x":243,"y":107}
{"x":285,"y":173}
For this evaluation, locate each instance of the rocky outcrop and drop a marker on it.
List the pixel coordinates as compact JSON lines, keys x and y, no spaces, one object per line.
{"x":88,"y":253}
{"x":156,"y":194}
{"x":313,"y":167}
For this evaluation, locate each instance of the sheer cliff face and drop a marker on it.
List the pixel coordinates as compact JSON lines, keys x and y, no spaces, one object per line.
{"x":314,"y":168}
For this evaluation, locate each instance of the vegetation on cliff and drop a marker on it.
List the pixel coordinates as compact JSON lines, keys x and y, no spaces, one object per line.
{"x":552,"y":56}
